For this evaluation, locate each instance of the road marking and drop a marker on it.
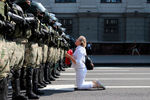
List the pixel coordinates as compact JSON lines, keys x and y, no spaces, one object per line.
{"x":114,"y":68}
{"x":113,"y":79}
{"x":70,"y":87}
{"x":108,"y":73}
{"x":127,"y":87}
{"x":107,"y":70}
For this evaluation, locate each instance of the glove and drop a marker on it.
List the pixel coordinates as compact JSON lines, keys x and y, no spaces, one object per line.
{"x":2,"y":24}
{"x":9,"y":26}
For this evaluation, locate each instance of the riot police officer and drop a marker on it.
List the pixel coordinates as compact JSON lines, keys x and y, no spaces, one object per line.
{"x":33,"y":52}
{"x":20,"y":36}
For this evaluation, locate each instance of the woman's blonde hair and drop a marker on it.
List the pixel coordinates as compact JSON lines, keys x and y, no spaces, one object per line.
{"x":82,"y":39}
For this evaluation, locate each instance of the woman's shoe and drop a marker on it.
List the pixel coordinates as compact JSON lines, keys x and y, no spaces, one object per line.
{"x":100,"y":85}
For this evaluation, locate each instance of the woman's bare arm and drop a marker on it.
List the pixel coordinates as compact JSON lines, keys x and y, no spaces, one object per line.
{"x":71,"y":57}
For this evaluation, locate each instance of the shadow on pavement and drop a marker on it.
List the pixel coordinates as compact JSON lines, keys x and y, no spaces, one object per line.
{"x":51,"y":92}
{"x":93,"y":89}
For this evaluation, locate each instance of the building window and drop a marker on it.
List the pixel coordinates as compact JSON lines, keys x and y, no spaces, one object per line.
{"x":148,"y":1}
{"x":65,"y":1}
{"x":110,"y":1}
{"x":67,"y":23}
{"x":111,"y":26}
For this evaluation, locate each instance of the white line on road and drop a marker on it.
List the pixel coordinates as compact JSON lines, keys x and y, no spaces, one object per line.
{"x":113,"y":79}
{"x":128,"y":87}
{"x":111,"y":70}
{"x":107,"y":70}
{"x":114,"y":68}
{"x":108,"y":73}
{"x":70,"y":87}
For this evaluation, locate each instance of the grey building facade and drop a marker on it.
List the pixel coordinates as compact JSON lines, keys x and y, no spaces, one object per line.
{"x":104,"y":21}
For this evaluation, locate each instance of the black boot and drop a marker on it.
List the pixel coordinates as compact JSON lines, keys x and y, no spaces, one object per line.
{"x":43,"y":75}
{"x":3,"y":89}
{"x":22,"y":79}
{"x":29,"y":86}
{"x":40,"y":86}
{"x":45,"y":82}
{"x":50,"y":74}
{"x":62,"y":66}
{"x":58,"y":68}
{"x":35,"y":83}
{"x":40,"y":79}
{"x":16,"y":86}
{"x":54,"y":73}
{"x":40,"y":82}
{"x":46,"y":73}
{"x":52,"y":78}
{"x":57,"y":72}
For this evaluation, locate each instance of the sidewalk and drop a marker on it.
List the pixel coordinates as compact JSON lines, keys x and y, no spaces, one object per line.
{"x":120,"y":59}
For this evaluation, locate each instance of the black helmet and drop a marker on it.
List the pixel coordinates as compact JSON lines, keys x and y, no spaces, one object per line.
{"x":25,"y":4}
{"x":53,"y":17}
{"x":46,"y":18}
{"x":50,"y":17}
{"x":36,"y":8}
{"x":61,"y":30}
{"x":70,"y":40}
{"x":57,"y":25}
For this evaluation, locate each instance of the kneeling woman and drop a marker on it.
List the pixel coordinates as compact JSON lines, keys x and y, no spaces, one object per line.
{"x":78,"y":63}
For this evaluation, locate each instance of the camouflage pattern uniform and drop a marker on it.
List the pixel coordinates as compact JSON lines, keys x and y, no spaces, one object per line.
{"x":4,"y":69}
{"x":41,"y":60}
{"x":17,"y":46}
{"x":4,"y":58}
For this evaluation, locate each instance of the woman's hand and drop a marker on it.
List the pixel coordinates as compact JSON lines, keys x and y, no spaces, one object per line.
{"x":71,"y":57}
{"x":67,"y":55}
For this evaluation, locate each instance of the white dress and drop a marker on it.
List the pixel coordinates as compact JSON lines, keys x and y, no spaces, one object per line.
{"x":80,"y":68}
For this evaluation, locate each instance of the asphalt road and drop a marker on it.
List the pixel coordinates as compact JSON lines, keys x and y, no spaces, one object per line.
{"x":122,"y":83}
